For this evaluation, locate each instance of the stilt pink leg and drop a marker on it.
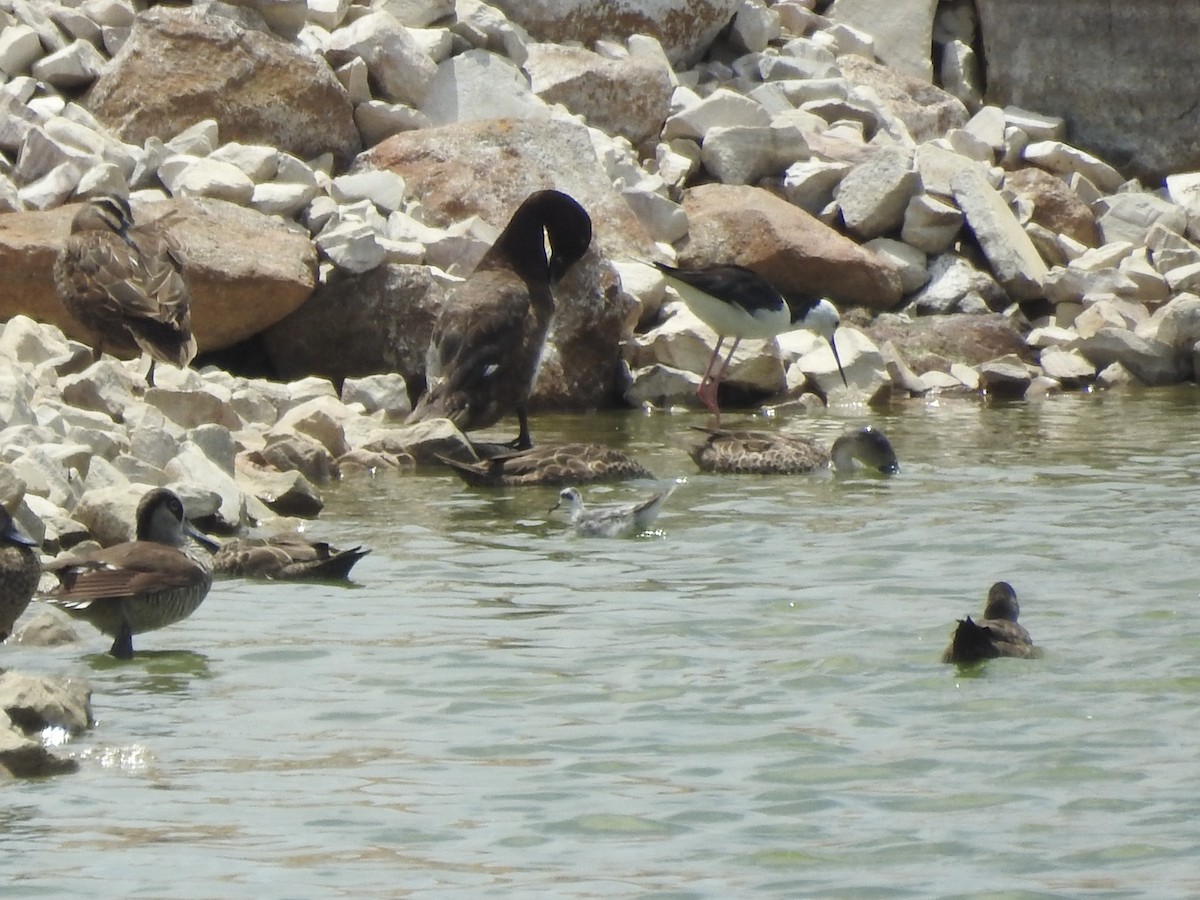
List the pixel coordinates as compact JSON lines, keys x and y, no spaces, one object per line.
{"x":707,"y":391}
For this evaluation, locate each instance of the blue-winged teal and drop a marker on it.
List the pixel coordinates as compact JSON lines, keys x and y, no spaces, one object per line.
{"x":996,"y":634}
{"x":20,"y":570}
{"x":140,"y":585}
{"x":612,"y":521}
{"x":739,"y":303}
{"x":125,"y":285}
{"x":551,"y":464}
{"x":764,"y":453}
{"x":285,"y":556}
{"x":488,"y":338}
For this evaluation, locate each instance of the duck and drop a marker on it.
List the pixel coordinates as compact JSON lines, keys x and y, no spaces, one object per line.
{"x":142,"y":585}
{"x":737,"y":302}
{"x":488,"y":338}
{"x":124,"y":283}
{"x":765,"y":453}
{"x":611,"y":521}
{"x":20,"y":570}
{"x":996,"y":634}
{"x":550,"y":464}
{"x":285,"y":556}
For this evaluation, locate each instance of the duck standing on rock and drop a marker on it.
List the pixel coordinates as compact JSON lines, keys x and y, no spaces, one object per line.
{"x":20,"y":570}
{"x":996,"y":634}
{"x":764,"y":453}
{"x":125,"y":285}
{"x":737,"y":302}
{"x":140,"y":585}
{"x":488,"y":339}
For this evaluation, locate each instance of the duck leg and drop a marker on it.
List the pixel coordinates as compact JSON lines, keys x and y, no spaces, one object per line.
{"x":122,"y":647}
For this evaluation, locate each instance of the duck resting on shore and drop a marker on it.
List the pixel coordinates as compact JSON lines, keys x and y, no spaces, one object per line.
{"x":766,"y":453}
{"x":487,"y":342}
{"x":996,"y":634}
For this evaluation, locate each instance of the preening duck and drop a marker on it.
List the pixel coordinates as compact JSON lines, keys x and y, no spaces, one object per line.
{"x":124,"y":284}
{"x":488,"y":338}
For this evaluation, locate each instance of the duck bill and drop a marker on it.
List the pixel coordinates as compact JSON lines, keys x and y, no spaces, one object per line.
{"x":837,"y":359}
{"x":890,"y":468}
{"x":200,"y":537}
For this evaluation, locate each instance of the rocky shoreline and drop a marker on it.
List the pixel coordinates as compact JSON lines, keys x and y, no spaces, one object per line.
{"x":334,"y":168}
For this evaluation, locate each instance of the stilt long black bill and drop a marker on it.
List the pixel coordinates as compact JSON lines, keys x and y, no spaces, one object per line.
{"x":837,"y":359}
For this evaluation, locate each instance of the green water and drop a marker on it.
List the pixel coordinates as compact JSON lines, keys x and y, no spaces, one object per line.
{"x":747,"y":704}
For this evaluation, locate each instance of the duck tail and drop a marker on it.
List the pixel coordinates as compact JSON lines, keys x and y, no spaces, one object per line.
{"x":971,"y":643}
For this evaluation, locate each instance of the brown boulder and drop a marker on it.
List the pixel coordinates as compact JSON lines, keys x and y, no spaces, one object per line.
{"x":181,"y":66}
{"x":787,"y":246}
{"x":245,"y":270}
{"x":360,"y":324}
{"x":927,"y":111}
{"x":933,"y":343}
{"x":1055,"y":205}
{"x":487,"y":168}
{"x":685,"y":28}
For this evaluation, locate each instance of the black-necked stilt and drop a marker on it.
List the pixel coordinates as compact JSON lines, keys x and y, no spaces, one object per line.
{"x":551,"y":464}
{"x":140,"y":585}
{"x":125,"y":285}
{"x":488,"y":339}
{"x":764,"y":453}
{"x":285,"y":556}
{"x":996,"y":634}
{"x":612,"y":521}
{"x":737,"y":302}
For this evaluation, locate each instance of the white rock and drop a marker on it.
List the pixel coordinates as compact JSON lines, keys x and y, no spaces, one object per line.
{"x":861,"y":360}
{"x":113,"y":13}
{"x":52,"y":189}
{"x":874,"y":194}
{"x":738,"y":155}
{"x":1063,"y":159}
{"x":1011,"y":254}
{"x":960,"y":73}
{"x":664,"y":219}
{"x":723,"y":108}
{"x":1036,"y":126}
{"x":328,"y":13}
{"x":40,"y":153}
{"x":1178,"y":322}
{"x":850,"y":40}
{"x":377,"y":120}
{"x":355,"y":78}
{"x":811,"y":184}
{"x":755,"y":26}
{"x":352,"y":245}
{"x":1050,"y":336}
{"x":663,"y":386}
{"x":398,"y":65}
{"x":382,"y":187}
{"x":903,"y":32}
{"x":23,"y":340}
{"x":196,"y":140}
{"x":259,"y":163}
{"x":192,"y":467}
{"x":209,"y":178}
{"x":1184,"y":190}
{"x":677,"y":160}
{"x":385,"y":392}
{"x":196,"y":406}
{"x":909,"y":262}
{"x":20,"y":48}
{"x":75,"y":66}
{"x":480,"y":85}
{"x":930,"y":224}
{"x":1130,"y":216}
{"x":282,"y":199}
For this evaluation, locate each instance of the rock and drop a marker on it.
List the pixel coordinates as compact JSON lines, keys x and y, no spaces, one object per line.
{"x":25,"y":757}
{"x":909,"y":262}
{"x":930,"y":224}
{"x":934,"y":342}
{"x":903,"y":33}
{"x":287,"y":452}
{"x":423,"y":441}
{"x":722,"y":108}
{"x":1184,"y":190}
{"x":107,"y":386}
{"x":386,"y":393}
{"x":662,"y":386}
{"x":926,"y":111}
{"x":685,"y":28}
{"x":229,"y":73}
{"x":370,"y":462}
{"x":480,"y":85}
{"x":1178,"y":324}
{"x":320,"y":419}
{"x":234,"y":509}
{"x":810,"y":184}
{"x":788,"y":247}
{"x":20,"y":48}
{"x":398,"y":65}
{"x":110,"y":514}
{"x":1130,"y":216}
{"x":284,"y":493}
{"x":1069,"y":367}
{"x":874,"y":194}
{"x":1007,"y":376}
{"x":1063,"y":159}
{"x":1151,"y":362}
{"x":864,"y":365}
{"x":1054,"y":205}
{"x":628,"y":97}
{"x":284,"y":17}
{"x":207,"y":178}
{"x":1013,"y":258}
{"x":386,"y":315}
{"x":45,"y":629}
{"x":34,"y":703}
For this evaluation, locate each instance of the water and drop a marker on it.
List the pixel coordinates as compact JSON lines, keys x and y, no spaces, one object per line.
{"x":748,"y":704}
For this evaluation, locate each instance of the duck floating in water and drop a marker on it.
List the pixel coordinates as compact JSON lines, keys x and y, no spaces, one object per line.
{"x":285,"y":557}
{"x":612,"y":521}
{"x":765,"y":453}
{"x":125,"y":285}
{"x":20,"y":570}
{"x":140,"y":585}
{"x":488,"y":338}
{"x":996,"y":634}
{"x":737,"y":302}
{"x":550,"y":464}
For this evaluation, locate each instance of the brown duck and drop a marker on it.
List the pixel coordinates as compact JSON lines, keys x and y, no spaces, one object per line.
{"x":125,"y":285}
{"x":285,"y":556}
{"x":141,"y":585}
{"x":765,"y":453}
{"x":996,"y":634}
{"x":488,"y":338}
{"x":20,"y":570}
{"x":550,"y":464}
